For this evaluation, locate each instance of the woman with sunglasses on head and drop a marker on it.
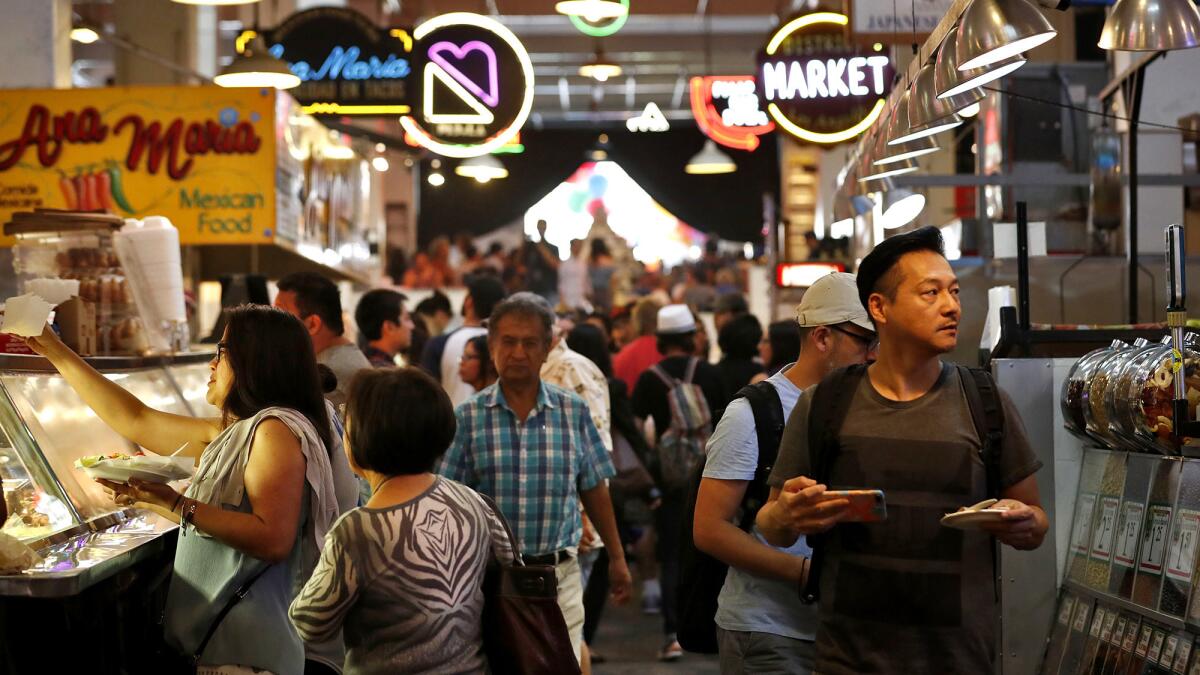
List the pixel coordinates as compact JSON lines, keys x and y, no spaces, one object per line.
{"x":262,"y":499}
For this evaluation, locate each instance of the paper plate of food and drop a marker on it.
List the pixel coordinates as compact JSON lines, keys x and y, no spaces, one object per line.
{"x":121,"y":468}
{"x":974,"y":517}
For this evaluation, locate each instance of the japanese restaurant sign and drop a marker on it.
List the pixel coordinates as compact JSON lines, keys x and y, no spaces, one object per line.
{"x":346,"y":64}
{"x":878,"y":20}
{"x":818,"y":86}
{"x":202,"y":156}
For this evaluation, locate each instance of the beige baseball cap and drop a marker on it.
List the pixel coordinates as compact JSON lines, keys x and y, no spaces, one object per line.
{"x":833,"y":299}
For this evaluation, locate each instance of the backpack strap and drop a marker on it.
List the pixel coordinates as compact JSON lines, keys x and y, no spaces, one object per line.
{"x":767,"y":409}
{"x":830,"y":405}
{"x":662,"y":374}
{"x":987,"y":413}
{"x":690,"y":372}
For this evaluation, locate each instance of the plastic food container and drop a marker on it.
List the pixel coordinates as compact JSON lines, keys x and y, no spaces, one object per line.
{"x":1075,"y":390}
{"x":1147,"y":401}
{"x":1103,"y":377}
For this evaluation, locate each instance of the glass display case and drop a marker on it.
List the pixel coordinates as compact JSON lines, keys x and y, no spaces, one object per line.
{"x":1074,"y":398}
{"x":1103,"y":374}
{"x":56,"y":509}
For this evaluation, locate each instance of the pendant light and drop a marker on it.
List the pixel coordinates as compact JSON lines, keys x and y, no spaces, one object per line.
{"x":901,"y":206}
{"x":600,"y":68}
{"x":483,"y":168}
{"x":710,"y":160}
{"x":926,"y":112}
{"x":897,"y":169}
{"x":214,"y":2}
{"x":1151,"y":26}
{"x":969,"y":111}
{"x":255,"y":67}
{"x":842,"y":214}
{"x":896,"y":124}
{"x":991,"y":31}
{"x":592,"y":10}
{"x":899,"y":132}
{"x":960,"y":88}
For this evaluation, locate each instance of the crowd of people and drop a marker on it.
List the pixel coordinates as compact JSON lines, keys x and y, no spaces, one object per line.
{"x":346,"y":508}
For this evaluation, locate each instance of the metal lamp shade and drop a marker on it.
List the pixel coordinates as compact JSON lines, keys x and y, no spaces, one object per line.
{"x":1151,"y":26}
{"x":255,"y":67}
{"x":958,"y":88}
{"x":901,"y":206}
{"x":886,"y":154}
{"x":880,"y":172}
{"x":991,"y":31}
{"x":925,"y":109}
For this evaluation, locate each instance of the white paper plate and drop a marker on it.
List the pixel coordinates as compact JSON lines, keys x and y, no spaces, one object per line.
{"x":150,"y":469}
{"x":973,"y":520}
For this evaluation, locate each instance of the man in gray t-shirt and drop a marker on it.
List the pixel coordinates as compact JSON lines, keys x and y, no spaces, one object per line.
{"x":762,"y":626}
{"x":906,"y":595}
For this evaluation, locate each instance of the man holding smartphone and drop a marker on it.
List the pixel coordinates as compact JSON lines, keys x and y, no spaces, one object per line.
{"x":762,"y":627}
{"x":906,"y":595}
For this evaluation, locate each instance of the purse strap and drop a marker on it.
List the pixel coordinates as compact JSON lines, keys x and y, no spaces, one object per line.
{"x":512,"y":540}
{"x":240,"y":593}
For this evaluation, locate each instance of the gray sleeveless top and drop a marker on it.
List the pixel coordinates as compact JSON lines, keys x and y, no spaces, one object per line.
{"x":207,"y":572}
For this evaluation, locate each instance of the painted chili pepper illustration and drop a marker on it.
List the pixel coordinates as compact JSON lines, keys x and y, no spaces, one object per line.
{"x":70,"y":194}
{"x":93,"y":184}
{"x":104,"y":191}
{"x":118,"y":192}
{"x":85,"y":203}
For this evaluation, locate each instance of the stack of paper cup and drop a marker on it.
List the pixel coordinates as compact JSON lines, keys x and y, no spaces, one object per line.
{"x":149,"y":252}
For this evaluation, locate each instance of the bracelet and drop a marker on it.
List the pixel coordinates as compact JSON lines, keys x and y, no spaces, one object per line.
{"x":189,"y":512}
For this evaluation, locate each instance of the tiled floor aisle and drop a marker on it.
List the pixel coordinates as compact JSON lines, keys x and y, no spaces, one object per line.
{"x":630,"y":641}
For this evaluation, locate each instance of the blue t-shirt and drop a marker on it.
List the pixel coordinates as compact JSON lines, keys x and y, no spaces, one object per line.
{"x":748,"y":602}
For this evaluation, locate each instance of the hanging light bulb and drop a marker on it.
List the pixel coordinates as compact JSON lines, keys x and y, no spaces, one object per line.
{"x":380,"y":163}
{"x":482,"y":168}
{"x":255,"y":67}
{"x":1151,"y":26}
{"x":599,"y":68}
{"x":84,"y":36}
{"x":591,"y":10}
{"x":900,"y":207}
{"x":710,"y":160}
{"x":991,"y":31}
{"x":436,"y":179}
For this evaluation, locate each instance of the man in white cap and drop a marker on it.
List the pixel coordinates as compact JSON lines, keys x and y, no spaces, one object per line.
{"x":762,"y":627}
{"x":657,"y":389}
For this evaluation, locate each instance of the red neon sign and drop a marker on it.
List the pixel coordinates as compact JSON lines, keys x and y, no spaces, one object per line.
{"x":740,"y":124}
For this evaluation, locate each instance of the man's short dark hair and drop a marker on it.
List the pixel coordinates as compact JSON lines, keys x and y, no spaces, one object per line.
{"x":528,"y":305}
{"x":734,"y":303}
{"x":316,"y":294}
{"x":740,"y":337}
{"x":486,"y":292}
{"x":391,"y":444}
{"x":685,"y":342}
{"x":875,"y":271}
{"x":438,"y":302}
{"x":374,"y":308}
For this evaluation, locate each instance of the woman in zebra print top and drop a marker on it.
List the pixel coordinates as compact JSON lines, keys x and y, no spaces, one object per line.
{"x":402,"y":576}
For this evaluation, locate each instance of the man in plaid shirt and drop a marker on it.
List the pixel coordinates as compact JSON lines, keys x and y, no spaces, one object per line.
{"x":532,"y":447}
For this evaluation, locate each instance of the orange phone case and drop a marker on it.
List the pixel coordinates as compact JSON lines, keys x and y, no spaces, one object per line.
{"x":866,"y":506}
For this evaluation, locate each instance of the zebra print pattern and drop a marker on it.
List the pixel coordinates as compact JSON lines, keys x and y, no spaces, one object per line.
{"x":404,"y":584}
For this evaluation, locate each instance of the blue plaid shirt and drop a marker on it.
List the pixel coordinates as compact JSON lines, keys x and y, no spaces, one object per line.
{"x":533,"y":470}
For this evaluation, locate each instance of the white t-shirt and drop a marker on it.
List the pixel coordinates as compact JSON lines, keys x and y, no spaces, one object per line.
{"x":458,"y":390}
{"x":573,"y":283}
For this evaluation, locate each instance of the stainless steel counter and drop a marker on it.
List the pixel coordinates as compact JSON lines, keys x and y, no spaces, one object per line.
{"x":80,"y":561}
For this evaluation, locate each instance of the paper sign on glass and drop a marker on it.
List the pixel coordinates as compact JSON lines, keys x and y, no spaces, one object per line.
{"x":1181,"y":558}
{"x":1064,"y":614}
{"x":1127,"y":535}
{"x":1097,"y":622}
{"x":1181,"y":659}
{"x":1143,"y":644}
{"x":1154,"y":541}
{"x":1081,"y":616}
{"x":1106,"y":527}
{"x":1083,"y":523}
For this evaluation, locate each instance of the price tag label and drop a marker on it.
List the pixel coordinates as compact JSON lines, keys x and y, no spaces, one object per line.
{"x":1064,"y":614}
{"x":1130,"y":636}
{"x":1156,"y":645}
{"x":1081,"y":616}
{"x":1143,"y":644}
{"x":1083,"y":523}
{"x":1168,"y":655}
{"x":1181,"y":558}
{"x":1154,"y":540}
{"x":1106,"y":634}
{"x":1106,"y":528}
{"x":1097,"y":622}
{"x":1127,"y":533}
{"x":1119,"y":633}
{"x":1181,"y":659}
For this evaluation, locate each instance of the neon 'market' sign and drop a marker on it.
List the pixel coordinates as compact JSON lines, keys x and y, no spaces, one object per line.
{"x":816,"y":85}
{"x":824,"y":78}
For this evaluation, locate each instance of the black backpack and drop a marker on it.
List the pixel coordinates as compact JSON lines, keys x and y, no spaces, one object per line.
{"x":701,"y":576}
{"x":830,"y":404}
